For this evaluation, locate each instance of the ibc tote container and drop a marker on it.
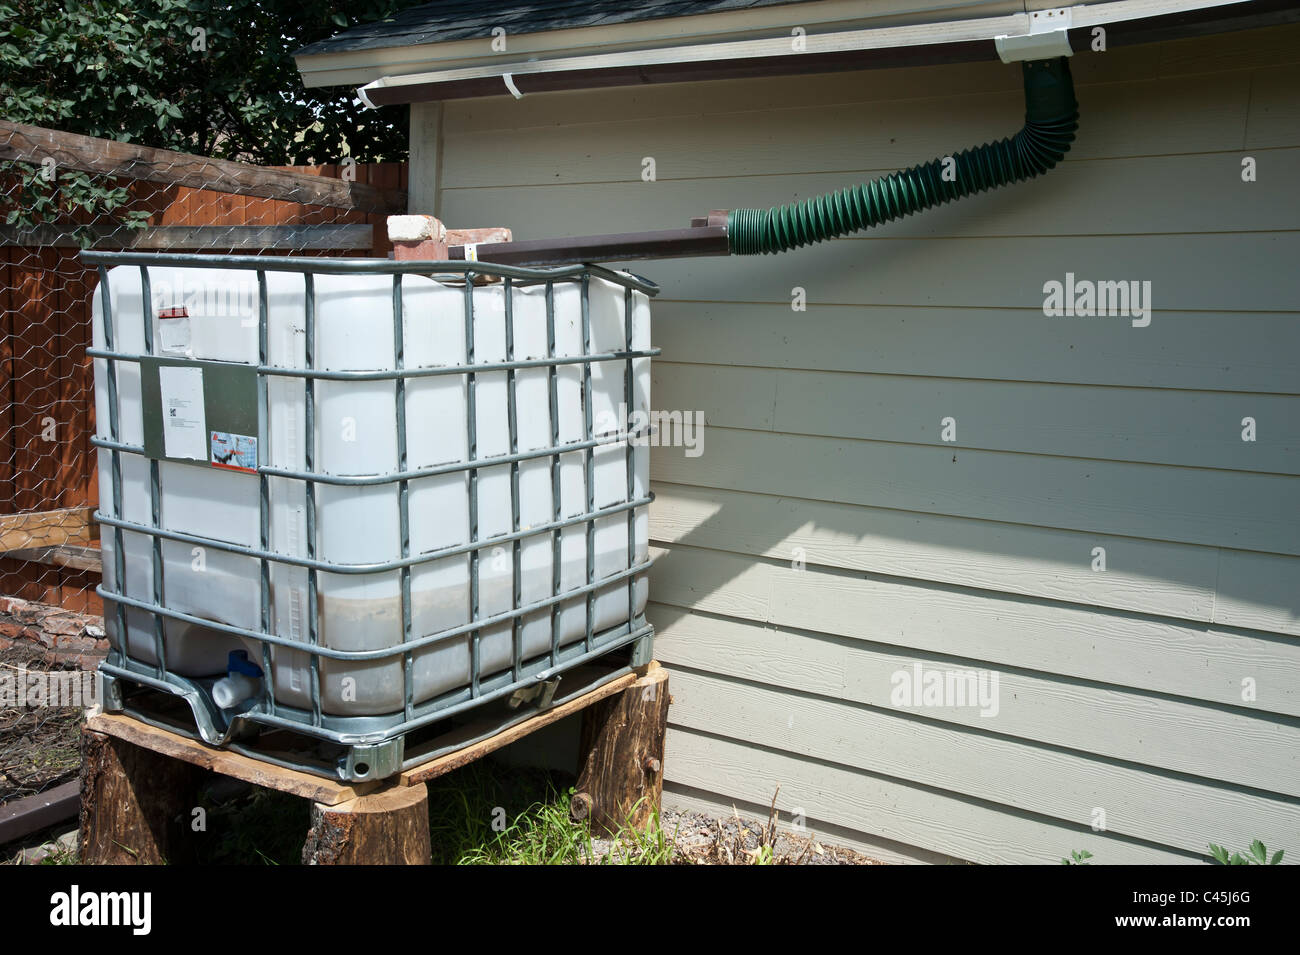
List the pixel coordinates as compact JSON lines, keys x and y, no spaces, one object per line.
{"x":348,"y":499}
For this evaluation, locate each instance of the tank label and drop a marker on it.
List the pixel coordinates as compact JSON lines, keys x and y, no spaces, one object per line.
{"x":235,"y":451}
{"x":203,"y":413}
{"x":183,"y":420}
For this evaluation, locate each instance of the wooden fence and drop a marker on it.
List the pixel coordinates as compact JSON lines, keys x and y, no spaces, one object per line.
{"x":48,"y":482}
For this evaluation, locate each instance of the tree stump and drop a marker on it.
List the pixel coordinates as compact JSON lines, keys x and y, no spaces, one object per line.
{"x":620,"y":778}
{"x":390,"y":827}
{"x":136,"y":805}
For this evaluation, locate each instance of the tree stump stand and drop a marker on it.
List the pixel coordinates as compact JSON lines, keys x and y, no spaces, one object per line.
{"x":139,"y":783}
{"x":620,"y":779}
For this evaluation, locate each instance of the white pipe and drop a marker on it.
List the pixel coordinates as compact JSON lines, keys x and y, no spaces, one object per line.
{"x":234,"y":688}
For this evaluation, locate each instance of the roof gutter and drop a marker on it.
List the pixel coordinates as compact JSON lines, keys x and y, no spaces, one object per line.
{"x":948,"y":41}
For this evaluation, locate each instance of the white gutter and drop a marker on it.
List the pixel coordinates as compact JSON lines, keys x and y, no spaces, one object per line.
{"x":952,"y":31}
{"x":352,"y":67}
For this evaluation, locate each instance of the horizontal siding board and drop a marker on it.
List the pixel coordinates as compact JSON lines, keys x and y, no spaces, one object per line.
{"x":1185,"y":272}
{"x":1260,"y":591}
{"x":1251,"y":50}
{"x":1044,"y":781}
{"x":814,"y":137}
{"x":1187,"y":428}
{"x":1154,"y":655}
{"x":1139,"y":729}
{"x":1274,"y":108}
{"x":890,"y":809}
{"x":1172,"y":580}
{"x":1219,"y":351}
{"x":1259,"y":512}
{"x":1148,"y":195}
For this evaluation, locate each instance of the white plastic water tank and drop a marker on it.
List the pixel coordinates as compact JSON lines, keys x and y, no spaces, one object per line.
{"x":356,"y":434}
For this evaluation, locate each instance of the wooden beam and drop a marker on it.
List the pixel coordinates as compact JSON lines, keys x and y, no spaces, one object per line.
{"x":345,"y":236}
{"x":32,"y":144}
{"x":24,"y":816}
{"x":616,"y":247}
{"x":71,"y":556}
{"x":267,"y":775}
{"x":68,"y":525}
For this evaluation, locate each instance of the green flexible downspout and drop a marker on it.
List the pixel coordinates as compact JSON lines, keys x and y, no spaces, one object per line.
{"x":1051,"y":117}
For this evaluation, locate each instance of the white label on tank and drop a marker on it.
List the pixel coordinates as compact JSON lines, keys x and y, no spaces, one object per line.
{"x":184,"y":426}
{"x":174,"y":336}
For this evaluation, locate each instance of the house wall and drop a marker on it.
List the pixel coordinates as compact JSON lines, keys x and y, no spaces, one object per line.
{"x":828,"y":538}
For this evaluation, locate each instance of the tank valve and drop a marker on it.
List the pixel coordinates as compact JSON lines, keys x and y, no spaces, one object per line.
{"x":243,"y":679}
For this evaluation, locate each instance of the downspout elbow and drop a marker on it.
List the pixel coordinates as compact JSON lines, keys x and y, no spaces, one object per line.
{"x":1051,"y":119}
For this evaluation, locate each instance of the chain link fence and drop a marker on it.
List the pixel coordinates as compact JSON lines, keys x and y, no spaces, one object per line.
{"x":61,"y":193}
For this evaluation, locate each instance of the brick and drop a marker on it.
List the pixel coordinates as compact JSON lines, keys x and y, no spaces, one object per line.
{"x":79,"y":644}
{"x":83,"y":661}
{"x":11,"y":604}
{"x":10,"y":629}
{"x":68,"y":624}
{"x":488,"y":236}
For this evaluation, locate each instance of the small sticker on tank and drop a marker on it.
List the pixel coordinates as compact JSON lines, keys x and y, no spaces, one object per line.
{"x":235,"y":451}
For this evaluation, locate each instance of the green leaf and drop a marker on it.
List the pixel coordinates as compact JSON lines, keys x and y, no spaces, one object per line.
{"x":1259,"y":852}
{"x":1277,"y":857}
{"x":1220,"y":854}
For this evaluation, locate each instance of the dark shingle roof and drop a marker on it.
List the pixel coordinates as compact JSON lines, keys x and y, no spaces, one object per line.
{"x":447,"y":20}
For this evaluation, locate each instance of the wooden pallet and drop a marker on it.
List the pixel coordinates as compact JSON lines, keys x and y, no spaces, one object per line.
{"x":139,"y":782}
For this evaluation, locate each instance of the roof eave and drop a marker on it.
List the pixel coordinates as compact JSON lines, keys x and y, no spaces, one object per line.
{"x":1136,"y":21}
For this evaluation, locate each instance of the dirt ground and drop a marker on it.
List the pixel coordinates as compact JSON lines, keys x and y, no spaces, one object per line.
{"x":39,"y":746}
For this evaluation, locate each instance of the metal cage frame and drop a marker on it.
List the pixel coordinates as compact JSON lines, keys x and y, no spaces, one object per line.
{"x":373,"y":746}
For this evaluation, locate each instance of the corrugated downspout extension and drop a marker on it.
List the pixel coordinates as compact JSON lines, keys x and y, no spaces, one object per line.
{"x":1051,"y":118}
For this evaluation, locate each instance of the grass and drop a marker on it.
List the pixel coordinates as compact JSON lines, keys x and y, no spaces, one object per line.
{"x":486,"y":814}
{"x":483,"y":814}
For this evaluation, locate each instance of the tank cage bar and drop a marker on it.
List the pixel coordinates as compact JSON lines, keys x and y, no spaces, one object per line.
{"x":223,"y":728}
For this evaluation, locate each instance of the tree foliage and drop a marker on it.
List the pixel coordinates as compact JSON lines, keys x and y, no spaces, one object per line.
{"x":215,"y":79}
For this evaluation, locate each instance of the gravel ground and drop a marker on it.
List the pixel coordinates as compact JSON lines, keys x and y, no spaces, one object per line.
{"x":702,"y":839}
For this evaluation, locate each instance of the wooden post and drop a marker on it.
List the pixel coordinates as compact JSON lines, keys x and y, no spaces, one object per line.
{"x":620,"y":777}
{"x":135,"y":804}
{"x":390,"y":827}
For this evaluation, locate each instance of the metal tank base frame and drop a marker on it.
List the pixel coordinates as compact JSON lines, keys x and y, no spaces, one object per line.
{"x":364,"y":748}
